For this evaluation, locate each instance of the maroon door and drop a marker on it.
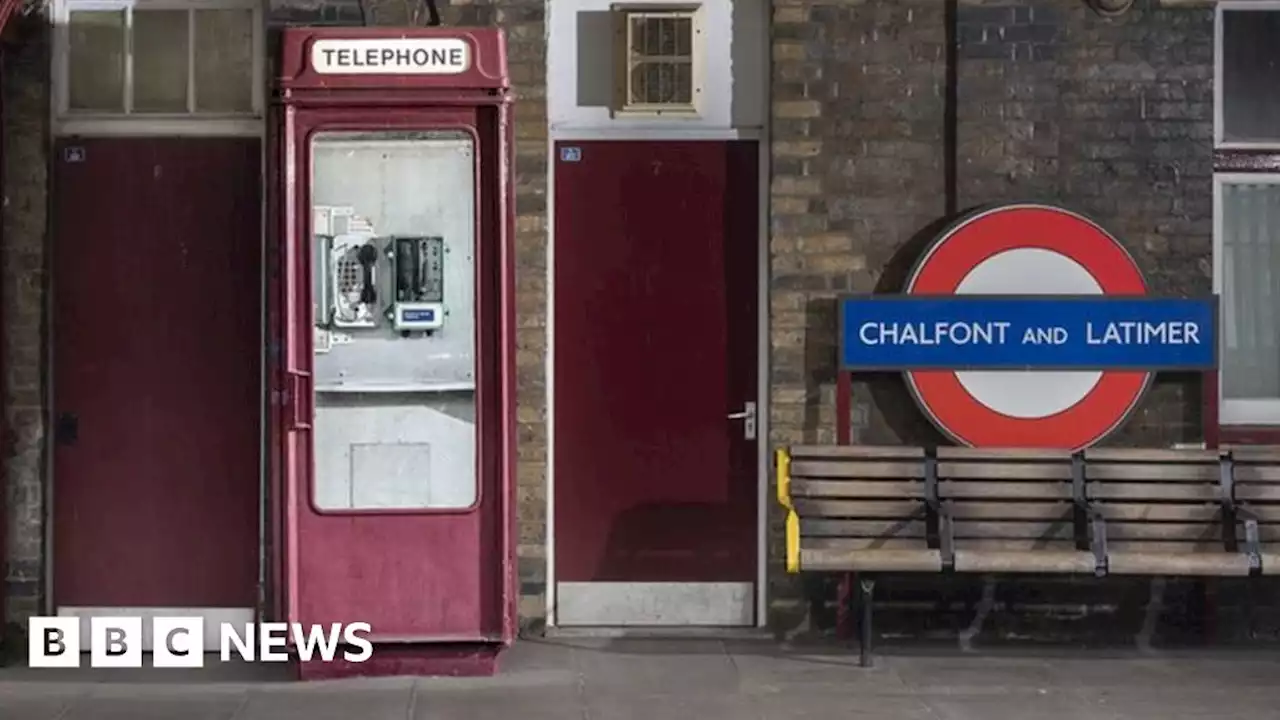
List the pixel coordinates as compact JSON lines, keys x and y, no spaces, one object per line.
{"x":656,"y":248}
{"x":156,"y":325}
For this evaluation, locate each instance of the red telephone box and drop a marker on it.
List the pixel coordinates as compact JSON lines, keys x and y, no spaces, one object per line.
{"x":393,"y":306}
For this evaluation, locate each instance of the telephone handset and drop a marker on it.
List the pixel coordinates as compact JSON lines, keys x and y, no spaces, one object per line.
{"x":367,"y":255}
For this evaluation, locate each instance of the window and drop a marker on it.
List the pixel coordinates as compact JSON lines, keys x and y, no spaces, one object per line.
{"x":1248,"y":74}
{"x":395,"y":407}
{"x":658,"y":69}
{"x":1247,"y":211}
{"x":159,"y":60}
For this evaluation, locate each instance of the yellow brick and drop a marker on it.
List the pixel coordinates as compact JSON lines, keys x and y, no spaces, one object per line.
{"x":797,"y":148}
{"x":789,"y":206}
{"x":790,"y":185}
{"x":783,"y":245}
{"x":786,"y":50}
{"x":797,"y":109}
{"x":828,"y":243}
{"x":782,"y":300}
{"x":790,"y":320}
{"x":838,"y":263}
{"x":784,"y":15}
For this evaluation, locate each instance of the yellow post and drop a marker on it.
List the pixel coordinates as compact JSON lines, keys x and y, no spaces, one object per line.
{"x":793,"y":520}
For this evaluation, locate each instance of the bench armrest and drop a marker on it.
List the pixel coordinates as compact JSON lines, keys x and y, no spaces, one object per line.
{"x":1232,"y":513}
{"x":1095,"y":524}
{"x":792,"y":520}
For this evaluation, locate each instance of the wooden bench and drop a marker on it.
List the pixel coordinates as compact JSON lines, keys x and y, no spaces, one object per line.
{"x":868,"y":510}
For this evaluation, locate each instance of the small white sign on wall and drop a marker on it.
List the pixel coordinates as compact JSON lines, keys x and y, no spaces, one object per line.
{"x":391,"y":56}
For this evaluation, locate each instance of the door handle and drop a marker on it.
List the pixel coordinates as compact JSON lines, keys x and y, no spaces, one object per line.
{"x":748,"y":418}
{"x":67,"y":430}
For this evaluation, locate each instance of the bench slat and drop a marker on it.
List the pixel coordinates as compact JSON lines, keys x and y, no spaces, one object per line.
{"x":1049,"y":561}
{"x":1004,"y":471}
{"x":1154,"y":473}
{"x":1137,"y":512}
{"x":1152,"y":492}
{"x":1053,"y":530}
{"x":817,"y":543}
{"x":1017,"y":545}
{"x":1149,"y":455}
{"x":1271,"y":563}
{"x":1258,"y":493}
{"x":998,"y":490}
{"x":1264,"y":454}
{"x":870,"y":452}
{"x":1256,"y":473}
{"x":1166,"y":547}
{"x":868,"y":469}
{"x":887,"y":509}
{"x":1007,"y":510}
{"x":966,"y":453}
{"x":1264,"y":513}
{"x":1221,"y":564}
{"x":871,"y":560}
{"x":1207,"y":532}
{"x":862,"y":528}
{"x":856,"y":489}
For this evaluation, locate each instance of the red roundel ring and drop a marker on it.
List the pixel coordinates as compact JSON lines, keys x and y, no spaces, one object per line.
{"x":973,"y":241}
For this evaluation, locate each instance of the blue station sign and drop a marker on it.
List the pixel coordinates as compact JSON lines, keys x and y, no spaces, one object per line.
{"x":970,"y":332}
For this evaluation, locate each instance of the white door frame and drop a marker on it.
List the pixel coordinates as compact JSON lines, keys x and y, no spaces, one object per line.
{"x":64,"y":123}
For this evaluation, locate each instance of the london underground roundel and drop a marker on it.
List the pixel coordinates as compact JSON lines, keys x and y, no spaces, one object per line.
{"x":1027,"y":250}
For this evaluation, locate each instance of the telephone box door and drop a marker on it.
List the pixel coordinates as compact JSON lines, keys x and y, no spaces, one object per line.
{"x":396,"y":437}
{"x":396,"y":320}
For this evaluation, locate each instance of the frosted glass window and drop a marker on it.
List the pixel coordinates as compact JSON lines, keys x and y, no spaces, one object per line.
{"x":395,"y":412}
{"x":224,"y":61}
{"x":1250,"y":290}
{"x":160,"y":56}
{"x":95,"y":59}
{"x":152,"y":61}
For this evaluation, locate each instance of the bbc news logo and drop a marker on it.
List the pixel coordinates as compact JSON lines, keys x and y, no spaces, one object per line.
{"x":179,"y":642}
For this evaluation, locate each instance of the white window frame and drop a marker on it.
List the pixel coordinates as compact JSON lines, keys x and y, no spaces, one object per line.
{"x":1224,"y":6}
{"x":1236,"y":411}
{"x":206,"y":124}
{"x":622,"y":107}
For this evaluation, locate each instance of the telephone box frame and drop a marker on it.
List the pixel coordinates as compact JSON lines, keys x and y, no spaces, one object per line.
{"x":477,"y":101}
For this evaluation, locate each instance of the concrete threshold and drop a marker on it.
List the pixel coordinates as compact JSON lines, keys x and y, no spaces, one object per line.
{"x":661,"y":633}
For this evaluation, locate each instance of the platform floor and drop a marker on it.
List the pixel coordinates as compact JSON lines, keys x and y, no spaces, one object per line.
{"x":704,"y":679}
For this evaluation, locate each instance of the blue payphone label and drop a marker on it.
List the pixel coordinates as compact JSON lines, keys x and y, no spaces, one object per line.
{"x":418,"y":315}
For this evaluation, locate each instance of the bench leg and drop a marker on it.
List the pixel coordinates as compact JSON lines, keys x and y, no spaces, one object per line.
{"x":846,"y":599}
{"x":867,"y":589}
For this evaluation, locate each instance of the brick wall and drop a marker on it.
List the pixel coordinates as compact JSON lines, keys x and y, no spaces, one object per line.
{"x":23,"y":278}
{"x":879,"y":132}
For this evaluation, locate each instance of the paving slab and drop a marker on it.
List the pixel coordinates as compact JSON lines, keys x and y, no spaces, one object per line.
{"x":623,"y":678}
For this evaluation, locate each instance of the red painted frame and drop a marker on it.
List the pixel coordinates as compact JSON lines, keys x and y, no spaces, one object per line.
{"x":479,"y":102}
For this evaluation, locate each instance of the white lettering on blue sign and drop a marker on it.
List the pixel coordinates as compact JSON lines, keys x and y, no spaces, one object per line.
{"x":988,"y":333}
{"x":995,"y":333}
{"x":1138,"y":333}
{"x":1045,"y":336}
{"x":1027,"y":333}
